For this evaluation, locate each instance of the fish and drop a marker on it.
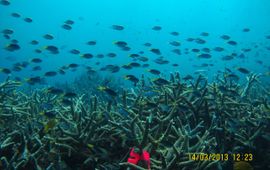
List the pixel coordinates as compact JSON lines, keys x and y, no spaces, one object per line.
{"x":111,"y":55}
{"x":161,"y":61}
{"x":174,"y":33}
{"x":134,"y":64}
{"x":87,"y":55}
{"x":50,"y":74}
{"x":69,"y":22}
{"x":227,"y":57}
{"x":36,"y":68}
{"x":206,"y":50}
{"x":5,"y":2}
{"x":154,"y":71}
{"x":12,"y":47}
{"x":127,"y":67}
{"x":15,"y":15}
{"x":66,"y":27}
{"x":143,"y":58}
{"x":155,"y":51}
{"x":73,"y":65}
{"x":55,"y":91}
{"x":100,"y":56}
{"x":34,"y":80}
{"x":156,"y":28}
{"x":34,"y":42}
{"x":204,"y":34}
{"x":66,"y":102}
{"x":49,"y":114}
{"x":48,"y":36}
{"x":231,"y":42}
{"x":36,"y":60}
{"x":49,"y":125}
{"x":204,"y":55}
{"x":5,"y":70}
{"x":120,"y":43}
{"x":243,"y":70}
{"x":160,"y":81}
{"x":218,"y":49}
{"x":246,"y":30}
{"x":91,"y":43}
{"x":225,"y":37}
{"x":131,"y":78}
{"x":117,"y":27}
{"x":7,"y":31}
{"x":188,"y":77}
{"x":53,"y":49}
{"x":107,"y":90}
{"x":147,"y":44}
{"x":28,"y":20}
{"x":200,"y":41}
{"x":177,"y":51}
{"x":70,"y":95}
{"x":195,"y":50}
{"x":175,"y":43}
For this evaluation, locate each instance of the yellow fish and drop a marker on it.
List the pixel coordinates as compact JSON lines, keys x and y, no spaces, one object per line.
{"x":49,"y":125}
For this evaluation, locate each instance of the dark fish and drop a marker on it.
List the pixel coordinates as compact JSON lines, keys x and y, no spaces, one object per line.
{"x":145,"y":65}
{"x":205,"y":34}
{"x":87,"y":55}
{"x":52,"y":49}
{"x":17,"y":68}
{"x":91,"y":43}
{"x":5,"y":2}
{"x":74,"y":51}
{"x":100,"y":56}
{"x":218,"y":49}
{"x":147,"y":44}
{"x":156,"y":28}
{"x":117,"y":27}
{"x":227,"y":57}
{"x":7,"y":31}
{"x":241,"y":56}
{"x":49,"y":114}
{"x":66,"y":27}
{"x":160,"y":82}
{"x":61,"y":71}
{"x":206,"y":50}
{"x":29,"y":20}
{"x":175,"y":65}
{"x":177,"y":51}
{"x":195,"y":50}
{"x":161,"y":61}
{"x":188,"y":77}
{"x":66,"y":102}
{"x":134,"y":64}
{"x":5,"y":70}
{"x":267,"y":36}
{"x":232,"y":42}
{"x":36,"y":68}
{"x":155,"y":51}
{"x":73,"y":65}
{"x":143,"y":59}
{"x":55,"y":91}
{"x":127,"y":67}
{"x":34,"y":42}
{"x":48,"y":36}
{"x":175,"y":43}
{"x":225,"y":37}
{"x":246,"y":30}
{"x":190,"y":39}
{"x":134,"y":55}
{"x":12,"y":47}
{"x":125,"y":48}
{"x":70,"y":95}
{"x":132,"y":78}
{"x":34,"y":80}
{"x":243,"y":70}
{"x":36,"y":60}
{"x":50,"y":73}
{"x":154,"y":71}
{"x":38,"y":51}
{"x":14,"y":41}
{"x":120,"y":43}
{"x":204,"y":55}
{"x":174,"y":33}
{"x":69,"y":22}
{"x":15,"y":15}
{"x":108,"y":91}
{"x":6,"y":36}
{"x":200,"y":41}
{"x":111,"y":55}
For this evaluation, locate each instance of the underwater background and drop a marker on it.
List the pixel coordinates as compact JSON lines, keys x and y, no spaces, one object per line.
{"x":83,"y":82}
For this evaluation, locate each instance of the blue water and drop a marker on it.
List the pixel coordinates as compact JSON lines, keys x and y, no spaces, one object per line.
{"x":94,"y":18}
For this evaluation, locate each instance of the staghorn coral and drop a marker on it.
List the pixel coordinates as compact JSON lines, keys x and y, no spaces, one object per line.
{"x":180,"y":118}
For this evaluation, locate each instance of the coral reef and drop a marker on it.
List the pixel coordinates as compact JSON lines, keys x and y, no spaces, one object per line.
{"x":169,"y":121}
